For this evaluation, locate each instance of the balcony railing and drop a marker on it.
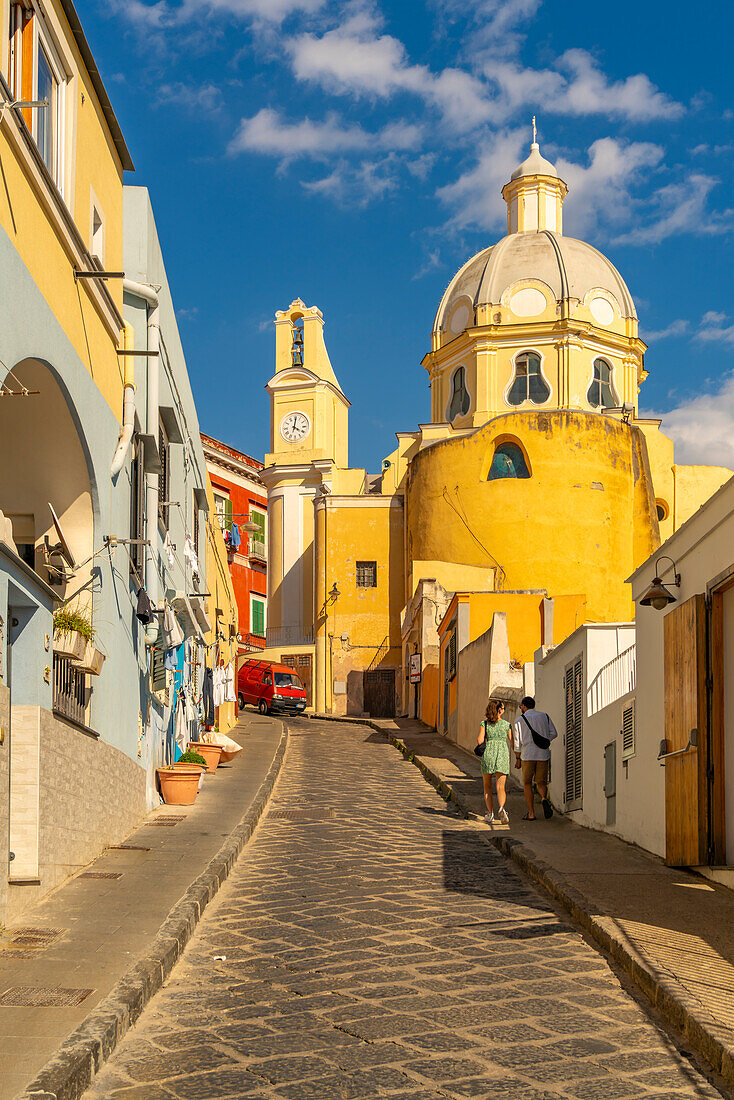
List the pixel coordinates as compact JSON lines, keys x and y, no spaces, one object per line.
{"x":253,"y":641}
{"x":258,"y":550}
{"x":616,"y":678}
{"x":70,"y":691}
{"x":290,"y":635}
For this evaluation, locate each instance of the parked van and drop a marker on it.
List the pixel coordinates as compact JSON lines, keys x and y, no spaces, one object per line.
{"x":270,"y":687}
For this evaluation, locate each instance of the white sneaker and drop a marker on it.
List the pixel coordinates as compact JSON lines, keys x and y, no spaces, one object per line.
{"x":489,"y":818}
{"x":503,"y":816}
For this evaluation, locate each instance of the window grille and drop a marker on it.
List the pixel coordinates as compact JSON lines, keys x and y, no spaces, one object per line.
{"x":529,"y":384}
{"x":70,"y":691}
{"x":600,"y":394}
{"x":628,"y":731}
{"x":196,"y":528}
{"x":451,"y":657}
{"x":366,"y":574}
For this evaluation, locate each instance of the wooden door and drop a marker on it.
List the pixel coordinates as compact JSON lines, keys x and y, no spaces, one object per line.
{"x":300,"y":663}
{"x":379,"y":693}
{"x":686,"y":796}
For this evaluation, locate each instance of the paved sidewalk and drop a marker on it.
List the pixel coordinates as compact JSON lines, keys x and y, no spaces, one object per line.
{"x":128,"y":929}
{"x":672,"y":930}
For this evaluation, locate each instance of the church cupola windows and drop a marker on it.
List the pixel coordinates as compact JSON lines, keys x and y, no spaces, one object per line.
{"x":508,"y":461}
{"x":459,"y":401}
{"x":528,"y":383}
{"x":600,"y":394}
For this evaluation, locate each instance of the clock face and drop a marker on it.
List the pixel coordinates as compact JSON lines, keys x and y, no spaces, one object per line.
{"x":294,"y":427}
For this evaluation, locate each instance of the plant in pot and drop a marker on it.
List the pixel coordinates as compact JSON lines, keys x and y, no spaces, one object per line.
{"x":191,"y":760}
{"x":180,"y":782}
{"x":211,"y":753}
{"x":73,"y":631}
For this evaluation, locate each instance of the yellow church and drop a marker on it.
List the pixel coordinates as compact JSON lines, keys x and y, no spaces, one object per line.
{"x":534,"y":491}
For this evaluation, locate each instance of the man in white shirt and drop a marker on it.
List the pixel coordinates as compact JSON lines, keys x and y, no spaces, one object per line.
{"x":531,"y":738}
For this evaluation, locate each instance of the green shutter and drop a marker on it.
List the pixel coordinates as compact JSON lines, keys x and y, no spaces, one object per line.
{"x":259,"y":519}
{"x":228,"y":514}
{"x":258,"y":618}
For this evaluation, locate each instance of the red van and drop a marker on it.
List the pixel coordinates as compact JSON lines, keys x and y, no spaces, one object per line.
{"x":270,"y":687}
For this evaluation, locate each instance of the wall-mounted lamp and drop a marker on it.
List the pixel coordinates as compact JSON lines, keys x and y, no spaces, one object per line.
{"x":334,"y":592}
{"x":657,"y":595}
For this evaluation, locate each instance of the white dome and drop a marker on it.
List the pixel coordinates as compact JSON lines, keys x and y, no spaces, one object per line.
{"x":534,"y":165}
{"x":569,"y":267}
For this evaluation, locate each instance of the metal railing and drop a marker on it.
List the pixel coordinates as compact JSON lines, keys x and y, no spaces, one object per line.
{"x":257,"y":549}
{"x":616,"y":678}
{"x":70,"y":691}
{"x":253,"y":641}
{"x":290,"y":635}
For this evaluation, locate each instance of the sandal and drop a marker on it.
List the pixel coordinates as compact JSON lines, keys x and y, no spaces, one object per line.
{"x":527,"y":817}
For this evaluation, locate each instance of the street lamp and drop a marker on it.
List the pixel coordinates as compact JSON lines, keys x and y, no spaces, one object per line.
{"x":657,"y":595}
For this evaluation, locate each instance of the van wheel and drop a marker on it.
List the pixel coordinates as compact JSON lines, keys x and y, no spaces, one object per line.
{"x":241,"y":701}
{"x":262,"y":706}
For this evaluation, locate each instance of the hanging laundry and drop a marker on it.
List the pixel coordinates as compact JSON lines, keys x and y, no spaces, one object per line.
{"x":168,"y":549}
{"x":173,"y":635}
{"x":144,"y":613}
{"x":169,"y":659}
{"x":179,"y":735}
{"x":235,"y":538}
{"x":229,"y":693}
{"x":218,"y":685}
{"x":190,"y":555}
{"x":208,"y":697}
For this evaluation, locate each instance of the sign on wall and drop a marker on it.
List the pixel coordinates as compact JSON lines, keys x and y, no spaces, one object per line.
{"x":415,"y":668}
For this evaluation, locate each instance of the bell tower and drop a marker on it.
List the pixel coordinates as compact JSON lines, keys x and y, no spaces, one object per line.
{"x":308,"y":442}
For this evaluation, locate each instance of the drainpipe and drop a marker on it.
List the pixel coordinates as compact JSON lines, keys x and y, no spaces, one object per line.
{"x":128,"y":410}
{"x":149,"y":294}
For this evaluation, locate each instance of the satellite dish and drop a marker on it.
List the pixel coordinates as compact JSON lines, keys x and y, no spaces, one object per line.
{"x":62,"y":547}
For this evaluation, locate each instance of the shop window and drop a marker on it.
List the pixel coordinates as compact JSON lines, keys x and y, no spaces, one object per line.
{"x":366,"y":574}
{"x":600,"y":394}
{"x":528,"y":383}
{"x":460,"y":401}
{"x":508,"y":461}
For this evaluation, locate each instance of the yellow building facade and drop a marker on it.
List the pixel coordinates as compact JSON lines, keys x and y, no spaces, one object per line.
{"x":535,"y":480}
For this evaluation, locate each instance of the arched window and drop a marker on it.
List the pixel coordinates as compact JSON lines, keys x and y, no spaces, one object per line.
{"x":460,"y":400}
{"x":600,"y":394}
{"x":529,"y":384}
{"x":662,"y":510}
{"x":508,"y":461}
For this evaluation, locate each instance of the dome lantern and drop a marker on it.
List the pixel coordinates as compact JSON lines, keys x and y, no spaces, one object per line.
{"x":535,"y":194}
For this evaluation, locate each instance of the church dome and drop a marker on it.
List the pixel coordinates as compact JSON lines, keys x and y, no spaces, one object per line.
{"x":570,"y":268}
{"x":534,"y":165}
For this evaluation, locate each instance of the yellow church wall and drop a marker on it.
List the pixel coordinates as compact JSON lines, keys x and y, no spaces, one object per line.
{"x":693,"y":485}
{"x":40,"y":232}
{"x":308,"y":558}
{"x":590,"y":489}
{"x":347,"y":482}
{"x":275,"y":560}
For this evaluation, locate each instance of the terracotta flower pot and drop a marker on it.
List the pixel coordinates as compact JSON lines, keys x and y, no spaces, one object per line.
{"x":211,"y":753}
{"x":178,"y":787}
{"x":198,"y":768}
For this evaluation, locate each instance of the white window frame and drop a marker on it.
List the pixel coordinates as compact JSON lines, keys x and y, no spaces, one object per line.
{"x":42,"y":40}
{"x":221,"y":515}
{"x":264,"y":601}
{"x":528,"y":403}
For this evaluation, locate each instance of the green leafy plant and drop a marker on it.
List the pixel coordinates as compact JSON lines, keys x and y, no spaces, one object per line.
{"x":190,"y":757}
{"x":67,"y":620}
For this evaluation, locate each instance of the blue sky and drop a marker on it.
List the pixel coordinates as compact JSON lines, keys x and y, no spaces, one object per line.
{"x":351,"y":153}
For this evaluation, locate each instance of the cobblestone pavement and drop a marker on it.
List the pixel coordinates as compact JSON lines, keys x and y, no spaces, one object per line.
{"x":376,"y":946}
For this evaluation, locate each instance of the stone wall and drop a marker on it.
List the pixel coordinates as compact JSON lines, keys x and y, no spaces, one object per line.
{"x":90,"y":795}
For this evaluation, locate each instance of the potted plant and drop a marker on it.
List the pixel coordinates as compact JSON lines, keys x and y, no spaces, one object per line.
{"x":211,"y":753}
{"x":179,"y":786}
{"x":72,"y":631}
{"x":191,"y":761}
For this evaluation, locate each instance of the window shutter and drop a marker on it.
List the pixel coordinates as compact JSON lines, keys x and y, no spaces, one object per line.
{"x":574,"y":735}
{"x":258,"y":618}
{"x":628,"y":731}
{"x":259,"y":519}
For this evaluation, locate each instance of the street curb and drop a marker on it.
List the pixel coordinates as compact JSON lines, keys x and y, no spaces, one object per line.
{"x":662,"y":990}
{"x":71,"y":1070}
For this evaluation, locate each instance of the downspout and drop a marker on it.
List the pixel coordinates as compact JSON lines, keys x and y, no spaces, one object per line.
{"x":128,"y":410}
{"x":149,"y":294}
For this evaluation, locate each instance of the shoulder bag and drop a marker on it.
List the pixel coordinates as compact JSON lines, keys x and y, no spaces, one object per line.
{"x":479,"y":749}
{"x":540,"y":741}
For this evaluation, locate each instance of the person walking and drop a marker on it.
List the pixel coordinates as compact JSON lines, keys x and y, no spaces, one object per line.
{"x":532,"y":735}
{"x":496,"y":736}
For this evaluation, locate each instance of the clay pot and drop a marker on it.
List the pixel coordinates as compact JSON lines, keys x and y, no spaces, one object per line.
{"x":211,"y":753}
{"x":198,"y":768}
{"x":179,"y":787}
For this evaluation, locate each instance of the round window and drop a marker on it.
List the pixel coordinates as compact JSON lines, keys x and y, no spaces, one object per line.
{"x":662,"y":510}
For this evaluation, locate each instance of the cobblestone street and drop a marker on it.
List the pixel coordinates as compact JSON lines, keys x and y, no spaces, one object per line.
{"x":375,"y":946}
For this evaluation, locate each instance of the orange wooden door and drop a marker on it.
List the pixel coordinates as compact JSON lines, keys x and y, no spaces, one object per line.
{"x":685,"y":710}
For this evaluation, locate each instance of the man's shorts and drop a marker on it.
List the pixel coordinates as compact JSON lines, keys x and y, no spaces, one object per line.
{"x":535,"y":769}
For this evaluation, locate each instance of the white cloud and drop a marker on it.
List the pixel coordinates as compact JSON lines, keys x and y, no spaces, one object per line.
{"x":589,"y":92}
{"x":702,"y":428}
{"x":475,"y":198}
{"x":357,"y":185}
{"x":715,"y":328}
{"x":432,"y":261}
{"x":269,"y":133}
{"x":147,"y":17}
{"x":674,"y":329}
{"x":206,"y":97}
{"x":680,"y":208}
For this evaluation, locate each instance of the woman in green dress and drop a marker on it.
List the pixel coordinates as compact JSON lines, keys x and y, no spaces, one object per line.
{"x":496,"y":735}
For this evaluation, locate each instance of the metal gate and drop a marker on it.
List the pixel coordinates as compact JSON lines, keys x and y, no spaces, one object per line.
{"x":300,"y":663}
{"x":379,"y":693}
{"x":574,"y":682}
